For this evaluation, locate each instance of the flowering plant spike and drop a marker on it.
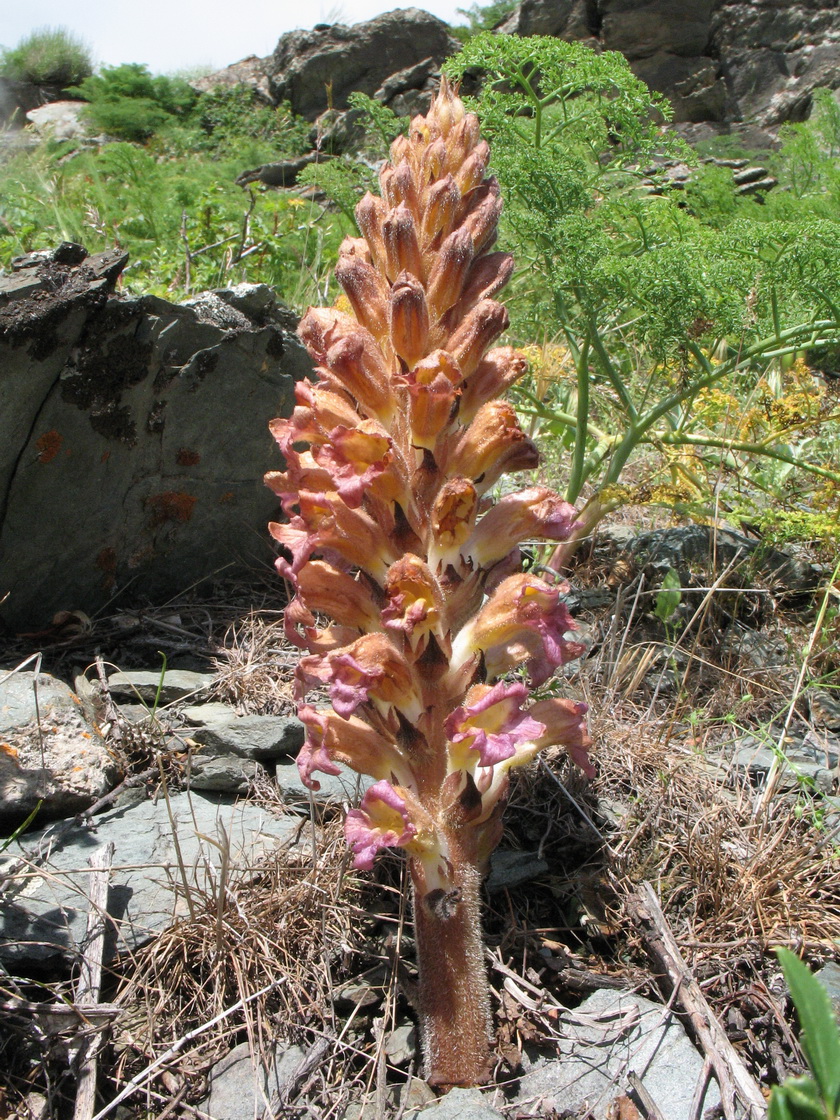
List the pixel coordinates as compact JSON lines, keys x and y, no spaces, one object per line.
{"x":393,"y":538}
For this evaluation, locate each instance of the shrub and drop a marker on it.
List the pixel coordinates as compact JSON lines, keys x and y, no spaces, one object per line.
{"x":129,"y":102}
{"x":48,"y":56}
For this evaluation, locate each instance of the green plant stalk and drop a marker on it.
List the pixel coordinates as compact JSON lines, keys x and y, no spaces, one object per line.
{"x":577,"y":475}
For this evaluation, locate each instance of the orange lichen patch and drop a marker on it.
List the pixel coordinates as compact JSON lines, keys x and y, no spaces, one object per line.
{"x":228,"y":496}
{"x":105,"y":456}
{"x":8,"y":749}
{"x":49,"y":445}
{"x":186,"y":457}
{"x":171,"y":505}
{"x":106,"y":561}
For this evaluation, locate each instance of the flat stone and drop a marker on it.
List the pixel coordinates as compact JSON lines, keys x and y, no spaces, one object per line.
{"x":177,"y":684}
{"x":601,"y":1042}
{"x":805,"y":760}
{"x":50,"y":752}
{"x":44,"y":920}
{"x":223,"y":775}
{"x":401,"y":1044}
{"x":20,"y":285}
{"x":460,"y":1104}
{"x":336,"y":789}
{"x":221,"y":731}
{"x":829,"y":977}
{"x":510,"y":869}
{"x":241,"y":1087}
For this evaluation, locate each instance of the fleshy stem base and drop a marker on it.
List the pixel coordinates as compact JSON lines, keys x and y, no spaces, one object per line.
{"x":453,"y":988}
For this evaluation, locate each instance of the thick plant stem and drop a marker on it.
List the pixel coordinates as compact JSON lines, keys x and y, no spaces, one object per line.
{"x":453,"y":989}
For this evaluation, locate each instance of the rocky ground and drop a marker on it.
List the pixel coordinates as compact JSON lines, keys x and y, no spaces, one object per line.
{"x":248,"y":971}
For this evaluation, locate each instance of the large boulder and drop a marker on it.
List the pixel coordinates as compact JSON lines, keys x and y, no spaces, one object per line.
{"x":716,"y":60}
{"x":317,"y":70}
{"x":52,"y":758}
{"x":134,"y":434}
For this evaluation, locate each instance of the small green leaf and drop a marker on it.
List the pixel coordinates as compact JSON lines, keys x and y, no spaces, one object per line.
{"x":820,"y":1033}
{"x":669,"y":596}
{"x":797,"y":1099}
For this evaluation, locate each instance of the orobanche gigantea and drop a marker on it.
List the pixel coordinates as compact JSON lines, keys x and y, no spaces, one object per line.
{"x":436,"y":638}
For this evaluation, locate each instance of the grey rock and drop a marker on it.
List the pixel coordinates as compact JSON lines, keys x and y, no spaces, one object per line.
{"x":19,"y":286}
{"x":49,"y":751}
{"x":282,"y":174}
{"x":608,"y":1036}
{"x":460,"y":1104}
{"x":240,"y":1085}
{"x":60,"y":120}
{"x":174,"y":684}
{"x":639,"y":30}
{"x":250,"y":72}
{"x":222,"y":775}
{"x":45,"y":909}
{"x":221,"y":731}
{"x":698,"y":547}
{"x":216,"y":312}
{"x":401,"y":1044}
{"x":564,"y":19}
{"x":760,"y":650}
{"x":344,"y":59}
{"x":829,"y":977}
{"x":812,"y":760}
{"x":335,"y":789}
{"x":139,"y":431}
{"x":510,"y":869}
{"x":716,"y":60}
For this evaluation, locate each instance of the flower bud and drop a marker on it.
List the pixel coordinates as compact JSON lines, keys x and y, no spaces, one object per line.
{"x":363,"y":286}
{"x":452,"y":519}
{"x":402,"y":247}
{"x":413,"y":601}
{"x":346,"y":599}
{"x":440,"y":205}
{"x":495,"y":373}
{"x":446,"y":280}
{"x":356,"y":364}
{"x":480,"y":214}
{"x":478,"y":331}
{"x":409,"y":319}
{"x":493,"y":444}
{"x":398,"y":186}
{"x":487,"y":276}
{"x":370,"y":217}
{"x":523,"y":622}
{"x":470,"y":174}
{"x":537,"y":512}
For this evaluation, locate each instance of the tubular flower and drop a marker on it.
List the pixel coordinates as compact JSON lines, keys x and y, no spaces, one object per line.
{"x":391,"y":543}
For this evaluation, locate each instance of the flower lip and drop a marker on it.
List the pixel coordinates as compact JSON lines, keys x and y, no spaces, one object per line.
{"x":381,"y":821}
{"x":491,"y":723}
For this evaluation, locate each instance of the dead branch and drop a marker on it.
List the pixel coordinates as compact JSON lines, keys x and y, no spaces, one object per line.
{"x":732,"y":1075}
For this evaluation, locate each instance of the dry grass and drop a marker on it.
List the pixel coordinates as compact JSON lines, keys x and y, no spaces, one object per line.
{"x":736,"y":878}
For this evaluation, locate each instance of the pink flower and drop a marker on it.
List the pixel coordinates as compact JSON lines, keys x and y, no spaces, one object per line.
{"x":369,"y":669}
{"x":492,"y":444}
{"x":381,"y":821}
{"x":492,"y":724}
{"x":537,"y":512}
{"x":565,"y":726}
{"x":331,"y":739}
{"x":523,"y":623}
{"x":413,"y":601}
{"x":326,"y":524}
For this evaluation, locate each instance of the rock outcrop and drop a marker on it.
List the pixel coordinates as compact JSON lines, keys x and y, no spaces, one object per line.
{"x":716,"y":60}
{"x":392,"y":57}
{"x":134,"y":434}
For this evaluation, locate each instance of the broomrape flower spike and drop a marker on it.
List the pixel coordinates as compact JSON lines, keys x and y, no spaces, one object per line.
{"x":390,"y":533}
